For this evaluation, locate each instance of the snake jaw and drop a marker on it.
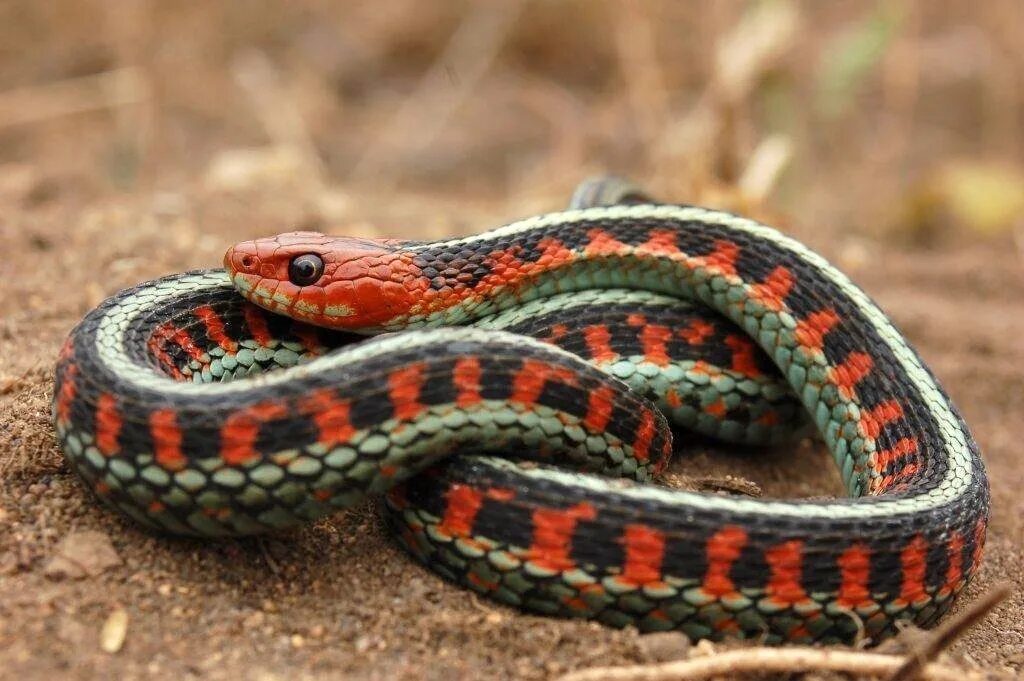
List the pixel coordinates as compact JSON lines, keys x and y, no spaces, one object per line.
{"x":366,"y":283}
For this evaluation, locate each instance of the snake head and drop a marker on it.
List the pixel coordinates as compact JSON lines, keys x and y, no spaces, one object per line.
{"x":337,"y":282}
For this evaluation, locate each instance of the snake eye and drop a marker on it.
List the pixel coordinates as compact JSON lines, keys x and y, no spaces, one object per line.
{"x":305,"y":269}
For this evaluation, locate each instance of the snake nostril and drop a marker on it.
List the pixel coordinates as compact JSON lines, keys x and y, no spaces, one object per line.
{"x":247,"y":261}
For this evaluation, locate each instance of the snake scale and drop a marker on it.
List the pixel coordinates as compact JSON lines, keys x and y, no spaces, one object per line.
{"x":572,"y":340}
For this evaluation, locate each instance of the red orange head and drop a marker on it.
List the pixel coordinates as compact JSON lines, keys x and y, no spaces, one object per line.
{"x":338,"y":282}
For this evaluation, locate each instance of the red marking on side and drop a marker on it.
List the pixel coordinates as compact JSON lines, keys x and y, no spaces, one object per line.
{"x":852,"y":371}
{"x":599,"y":409}
{"x":463,"y":503}
{"x":777,"y":285}
{"x":907,"y":471}
{"x":552,"y":253}
{"x":696,"y":332}
{"x":979,"y":544}
{"x":811,"y":331}
{"x":404,"y":386}
{"x":466,"y":377}
{"x":108,"y":424}
{"x":460,"y":512}
{"x":598,"y":339}
{"x":308,"y":336}
{"x":240,"y":430}
{"x":257,"y":324}
{"x":530,"y":379}
{"x":743,"y":350}
{"x":558,"y":331}
{"x":769,"y":418}
{"x":716,"y":408}
{"x":644,"y":436}
{"x":645,"y":551}
{"x":722,"y":260}
{"x":913,"y":563}
{"x":552,"y":535}
{"x":653,"y":339}
{"x":157,"y":344}
{"x":167,"y":437}
{"x":215,"y":328}
{"x":903,"y":447}
{"x":854,"y":570}
{"x":723,"y":549}
{"x":603,"y":243}
{"x":661,"y":241}
{"x":785,"y":562}
{"x":872,"y":421}
{"x":66,"y":396}
{"x":954,"y":571}
{"x":673,"y":399}
{"x":331,"y":416}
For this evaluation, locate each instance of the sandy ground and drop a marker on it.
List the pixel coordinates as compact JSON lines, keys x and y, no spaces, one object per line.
{"x":339,"y":598}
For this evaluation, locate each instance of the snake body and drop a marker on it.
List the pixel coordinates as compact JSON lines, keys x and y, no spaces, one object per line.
{"x":150,"y":412}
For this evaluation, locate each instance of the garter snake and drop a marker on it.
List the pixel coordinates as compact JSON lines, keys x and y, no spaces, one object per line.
{"x":151,"y":412}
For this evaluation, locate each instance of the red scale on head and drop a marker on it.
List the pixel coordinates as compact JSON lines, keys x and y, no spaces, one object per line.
{"x":360,"y":283}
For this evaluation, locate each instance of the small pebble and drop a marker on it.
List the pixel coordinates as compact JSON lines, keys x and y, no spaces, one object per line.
{"x":664,"y":646}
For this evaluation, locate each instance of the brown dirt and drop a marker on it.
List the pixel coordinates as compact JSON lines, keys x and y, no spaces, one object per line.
{"x":339,"y":598}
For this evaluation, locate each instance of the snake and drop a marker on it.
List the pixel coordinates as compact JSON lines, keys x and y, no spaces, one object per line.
{"x":514,"y":396}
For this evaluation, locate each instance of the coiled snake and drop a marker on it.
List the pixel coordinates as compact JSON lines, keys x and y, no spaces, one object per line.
{"x":151,"y":413}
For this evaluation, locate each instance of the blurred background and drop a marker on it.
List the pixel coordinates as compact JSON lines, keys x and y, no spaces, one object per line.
{"x":142,"y":137}
{"x":875,"y":118}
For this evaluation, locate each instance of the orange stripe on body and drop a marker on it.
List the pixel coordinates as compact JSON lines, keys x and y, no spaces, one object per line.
{"x":785,"y":562}
{"x":645,"y":551}
{"x":660,"y":241}
{"x":241,"y":428}
{"x":553,"y":253}
{"x":696,"y":332}
{"x":603,"y":243}
{"x":954,"y":571}
{"x":466,"y":377}
{"x":331,"y":416}
{"x":873,"y":420}
{"x":979,"y":544}
{"x":854,"y":570}
{"x":773,"y":291}
{"x":644,"y":436}
{"x":167,"y":438}
{"x":552,"y":535}
{"x":66,"y":396}
{"x":108,"y":424}
{"x":529,"y":381}
{"x":308,"y":335}
{"x":463,"y":503}
{"x":599,"y":343}
{"x":913,"y":561}
{"x":599,"y":409}
{"x":743,"y":357}
{"x":723,"y":548}
{"x":722,"y":260}
{"x":852,"y":371}
{"x":404,"y":386}
{"x":653,"y":339}
{"x":215,"y":328}
{"x":257,"y":324}
{"x":811,"y":331}
{"x":903,"y":447}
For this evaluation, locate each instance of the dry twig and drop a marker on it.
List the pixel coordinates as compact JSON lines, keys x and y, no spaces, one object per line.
{"x":731,"y":664}
{"x":950,"y":630}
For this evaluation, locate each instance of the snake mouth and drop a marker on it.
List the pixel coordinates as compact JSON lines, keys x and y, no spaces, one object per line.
{"x":252,"y":287}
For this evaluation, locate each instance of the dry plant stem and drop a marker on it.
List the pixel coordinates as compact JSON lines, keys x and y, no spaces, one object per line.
{"x":950,"y":630}
{"x":118,"y":87}
{"x":731,"y":664}
{"x":426,"y":111}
